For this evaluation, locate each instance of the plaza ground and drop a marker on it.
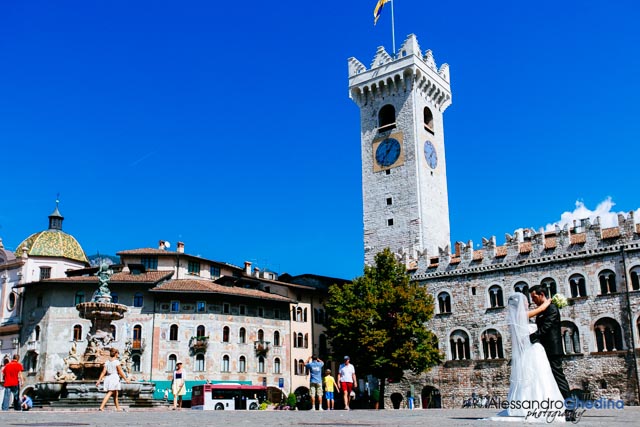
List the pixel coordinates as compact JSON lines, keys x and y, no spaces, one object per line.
{"x":186,"y":417}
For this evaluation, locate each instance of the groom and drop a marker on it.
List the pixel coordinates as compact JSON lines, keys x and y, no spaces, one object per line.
{"x":549,"y":335}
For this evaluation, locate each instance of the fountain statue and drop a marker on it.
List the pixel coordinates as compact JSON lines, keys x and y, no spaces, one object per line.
{"x":76,"y":382}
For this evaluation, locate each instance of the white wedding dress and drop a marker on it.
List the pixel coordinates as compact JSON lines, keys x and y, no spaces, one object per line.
{"x":533,"y":394}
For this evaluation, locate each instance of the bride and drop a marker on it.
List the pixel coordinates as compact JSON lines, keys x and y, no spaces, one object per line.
{"x":533,"y":392}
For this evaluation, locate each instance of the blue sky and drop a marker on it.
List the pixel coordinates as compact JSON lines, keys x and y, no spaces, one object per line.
{"x":227,"y":125}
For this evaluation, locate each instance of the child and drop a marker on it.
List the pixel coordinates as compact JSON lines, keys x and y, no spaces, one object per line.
{"x":329,"y":385}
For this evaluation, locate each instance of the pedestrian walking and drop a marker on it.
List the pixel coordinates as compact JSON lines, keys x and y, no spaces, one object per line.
{"x":112,"y":372}
{"x":347,"y":380}
{"x":329,"y":386}
{"x":178,"y":386}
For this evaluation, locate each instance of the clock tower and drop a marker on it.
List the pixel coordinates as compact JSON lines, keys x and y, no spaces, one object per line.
{"x":404,"y":180}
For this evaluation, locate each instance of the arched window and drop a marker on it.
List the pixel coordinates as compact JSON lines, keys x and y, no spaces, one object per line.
{"x":138,"y":299}
{"x":301,"y":370}
{"x":523,"y":288}
{"x":444,"y":302}
{"x":492,"y":344}
{"x":305,"y":315}
{"x":428,"y":119}
{"x":200,"y":331}
{"x":225,"y":363}
{"x":570,"y":337}
{"x":323,"y":348}
{"x":578,"y":286}
{"x":387,"y":117}
{"x":495,"y":297}
{"x":299,"y":314}
{"x":242,"y":364}
{"x":607,"y":279}
{"x":306,"y":340}
{"x":171,"y":362}
{"x":300,"y":340}
{"x":460,"y":346}
{"x":199,"y":362}
{"x":225,"y":334}
{"x":261,"y":368}
{"x":112,"y":329}
{"x":79,"y":297}
{"x":276,"y":339}
{"x":173,"y":333}
{"x":242,"y":336}
{"x":137,"y":337}
{"x":276,"y":366}
{"x":260,"y":335}
{"x":37,"y":333}
{"x":635,"y":279}
{"x":77,"y":332}
{"x":608,"y":335}
{"x":135,"y":363}
{"x":550,"y":285}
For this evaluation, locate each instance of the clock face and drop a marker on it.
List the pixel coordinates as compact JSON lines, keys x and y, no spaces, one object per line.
{"x":430,"y":154}
{"x":388,"y":152}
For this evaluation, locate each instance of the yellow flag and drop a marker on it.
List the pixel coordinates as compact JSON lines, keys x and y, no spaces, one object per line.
{"x":378,"y":10}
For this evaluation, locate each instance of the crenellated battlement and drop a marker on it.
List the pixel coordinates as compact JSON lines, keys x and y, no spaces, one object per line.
{"x":527,"y":246}
{"x":408,"y":69}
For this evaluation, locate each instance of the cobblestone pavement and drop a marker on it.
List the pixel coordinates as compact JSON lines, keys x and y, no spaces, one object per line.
{"x":188,"y":418}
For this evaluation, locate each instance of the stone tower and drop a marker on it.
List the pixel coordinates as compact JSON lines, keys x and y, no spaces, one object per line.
{"x":404,"y":179}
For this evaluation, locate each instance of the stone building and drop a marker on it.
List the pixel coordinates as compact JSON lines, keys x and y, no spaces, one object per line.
{"x":46,"y":254}
{"x":225,"y":323}
{"x":402,"y":98}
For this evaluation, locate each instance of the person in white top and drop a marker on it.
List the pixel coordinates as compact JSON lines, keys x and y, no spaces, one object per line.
{"x":111,"y":373}
{"x":347,"y":380}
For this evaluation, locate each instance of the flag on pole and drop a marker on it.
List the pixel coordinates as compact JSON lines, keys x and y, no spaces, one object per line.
{"x":378,"y":10}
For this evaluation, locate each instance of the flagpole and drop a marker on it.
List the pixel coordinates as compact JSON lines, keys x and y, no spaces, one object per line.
{"x":393,"y":31}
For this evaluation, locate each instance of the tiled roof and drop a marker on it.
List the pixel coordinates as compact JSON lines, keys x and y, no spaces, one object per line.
{"x":52,"y":243}
{"x":148,"y":277}
{"x":578,"y":239}
{"x":550,"y":243}
{"x":147,"y":251}
{"x":525,"y":247}
{"x":610,"y":233}
{"x":194,"y":285}
{"x":161,"y":252}
{"x":501,"y":251}
{"x":455,"y":260}
{"x":638,"y":228}
{"x":478,"y":255}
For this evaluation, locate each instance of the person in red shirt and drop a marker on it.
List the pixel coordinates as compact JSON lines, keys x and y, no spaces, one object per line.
{"x":12,"y":379}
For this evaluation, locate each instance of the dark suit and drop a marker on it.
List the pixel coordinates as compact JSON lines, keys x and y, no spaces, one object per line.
{"x":549,"y":335}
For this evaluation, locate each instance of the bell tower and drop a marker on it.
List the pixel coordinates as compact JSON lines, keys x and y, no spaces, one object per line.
{"x":404,"y":175}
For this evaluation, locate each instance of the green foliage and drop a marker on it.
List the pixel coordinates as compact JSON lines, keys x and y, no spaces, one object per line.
{"x":379,"y":321}
{"x":292,"y":400}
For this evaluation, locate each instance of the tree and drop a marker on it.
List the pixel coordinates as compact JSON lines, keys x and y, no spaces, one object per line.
{"x":379,"y":320}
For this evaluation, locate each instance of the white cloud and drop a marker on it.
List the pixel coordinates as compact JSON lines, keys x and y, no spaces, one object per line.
{"x":608,"y":218}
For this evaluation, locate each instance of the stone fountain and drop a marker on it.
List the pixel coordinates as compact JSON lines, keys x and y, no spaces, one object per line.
{"x":75,"y":384}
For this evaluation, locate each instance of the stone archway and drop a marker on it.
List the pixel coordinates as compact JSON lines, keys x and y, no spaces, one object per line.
{"x":303,"y":397}
{"x":396,"y":400}
{"x":431,"y":398}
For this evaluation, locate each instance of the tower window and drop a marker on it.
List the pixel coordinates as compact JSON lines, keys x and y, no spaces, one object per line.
{"x":45,"y":273}
{"x":386,"y":118}
{"x":388,"y":171}
{"x":428,"y":119}
{"x":389,"y":201}
{"x":390,"y":222}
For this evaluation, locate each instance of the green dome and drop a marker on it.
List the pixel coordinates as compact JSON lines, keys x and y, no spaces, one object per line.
{"x":52,"y":243}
